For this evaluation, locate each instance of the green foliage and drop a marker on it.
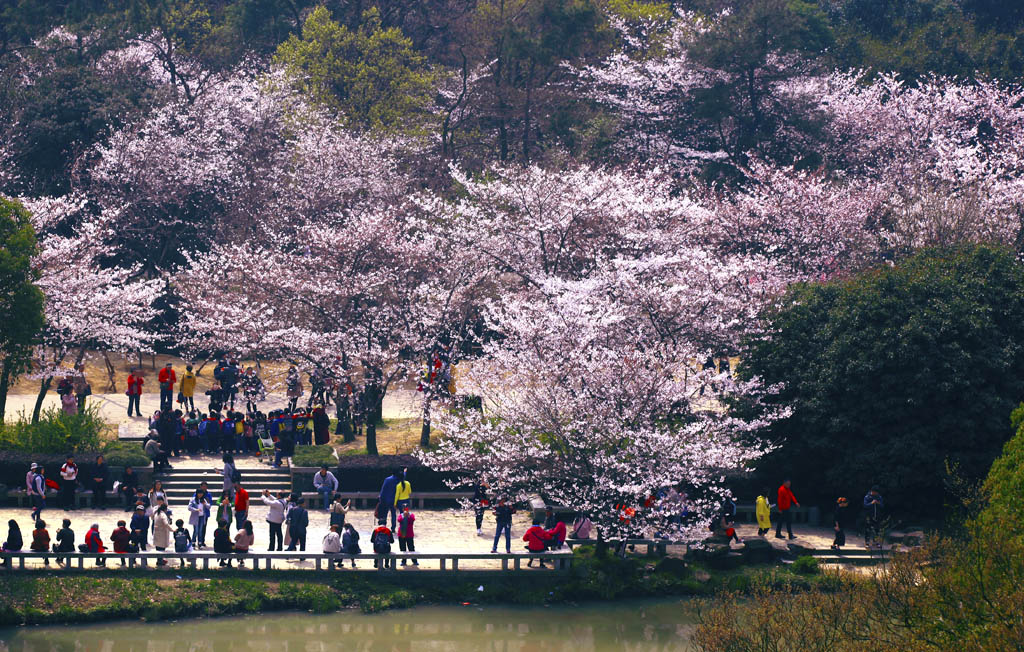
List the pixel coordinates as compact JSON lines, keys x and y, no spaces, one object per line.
{"x":371,"y":75}
{"x":806,"y":566}
{"x":124,"y":453}
{"x":895,"y":372}
{"x":56,"y":432}
{"x":1004,"y":487}
{"x":314,"y":456}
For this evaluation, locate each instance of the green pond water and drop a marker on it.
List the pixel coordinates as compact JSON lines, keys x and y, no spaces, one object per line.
{"x":633,"y":626}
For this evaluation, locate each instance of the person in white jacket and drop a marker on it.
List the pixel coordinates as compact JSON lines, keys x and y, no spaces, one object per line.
{"x":332,"y":543}
{"x":275,"y":517}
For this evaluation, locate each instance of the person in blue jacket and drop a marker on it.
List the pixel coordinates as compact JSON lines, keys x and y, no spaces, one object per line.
{"x":387,"y":496}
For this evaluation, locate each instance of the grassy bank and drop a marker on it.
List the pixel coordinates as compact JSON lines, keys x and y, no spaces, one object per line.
{"x":93,"y":596}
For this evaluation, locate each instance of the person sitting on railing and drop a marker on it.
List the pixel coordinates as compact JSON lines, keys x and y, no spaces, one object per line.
{"x":557,"y":535}
{"x":332,"y":544}
{"x":65,"y":539}
{"x":222,"y":542}
{"x":14,"y":541}
{"x":121,"y":539}
{"x":40,"y":540}
{"x":139,"y":527}
{"x":536,"y":541}
{"x":244,"y":538}
{"x":350,"y":543}
{"x":94,"y":543}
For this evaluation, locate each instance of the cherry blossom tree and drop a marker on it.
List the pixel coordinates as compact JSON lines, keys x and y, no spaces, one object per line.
{"x":89,"y":304}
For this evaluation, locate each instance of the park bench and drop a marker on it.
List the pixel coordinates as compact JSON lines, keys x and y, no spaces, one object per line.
{"x":446,"y":562}
{"x":21,"y":496}
{"x":369,"y":498}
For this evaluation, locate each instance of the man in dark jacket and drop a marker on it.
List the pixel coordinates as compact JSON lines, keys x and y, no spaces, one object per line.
{"x":98,"y":479}
{"x":387,"y":497}
{"x":129,"y":481}
{"x":874,"y":510}
{"x":65,"y":539}
{"x":298,"y":521}
{"x":139,"y":527}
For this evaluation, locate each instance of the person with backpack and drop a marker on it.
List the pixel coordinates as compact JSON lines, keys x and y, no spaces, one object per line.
{"x":503,"y":519}
{"x":229,"y":472}
{"x":182,"y":540}
{"x":241,"y":504}
{"x":581,"y":527}
{"x":350,"y":543}
{"x":209,"y":433}
{"x":298,"y":521}
{"x":405,"y":533}
{"x":199,"y":516}
{"x":382,"y":538}
{"x":227,"y":433}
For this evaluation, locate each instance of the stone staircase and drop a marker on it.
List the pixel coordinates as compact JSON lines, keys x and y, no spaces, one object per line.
{"x":181,"y":483}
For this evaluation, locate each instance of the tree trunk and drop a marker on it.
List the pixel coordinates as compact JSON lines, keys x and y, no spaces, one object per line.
{"x":44,"y":386}
{"x":374,"y":407}
{"x":5,"y":383}
{"x":111,"y":373}
{"x":425,"y":433}
{"x":601,"y":549}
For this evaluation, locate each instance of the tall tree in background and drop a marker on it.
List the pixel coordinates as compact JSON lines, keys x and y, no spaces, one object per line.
{"x":21,"y":301}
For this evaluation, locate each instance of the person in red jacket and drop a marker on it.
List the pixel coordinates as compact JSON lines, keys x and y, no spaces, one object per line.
{"x":167,"y":379}
{"x":786,"y":503}
{"x":121,"y":538}
{"x":94,"y":543}
{"x":557,"y":536}
{"x":241,"y":505}
{"x":536,"y":538}
{"x":134,"y":391}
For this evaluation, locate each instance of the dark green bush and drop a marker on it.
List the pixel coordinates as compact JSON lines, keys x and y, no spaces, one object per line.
{"x":125,"y":453}
{"x":806,"y":566}
{"x":314,"y":456}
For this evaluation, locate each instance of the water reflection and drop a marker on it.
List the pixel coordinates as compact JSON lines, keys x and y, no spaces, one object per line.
{"x":632,"y":627}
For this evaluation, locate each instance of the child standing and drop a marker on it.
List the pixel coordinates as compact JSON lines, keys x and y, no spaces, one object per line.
{"x":405,"y":533}
{"x":763,"y":511}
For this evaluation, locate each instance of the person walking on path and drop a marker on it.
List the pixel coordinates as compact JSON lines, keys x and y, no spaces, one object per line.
{"x":326,"y":485}
{"x":874,"y":508}
{"x":231,"y":475}
{"x":481,"y":500}
{"x":786,"y":503}
{"x":100,"y":476}
{"x":840,"y":519}
{"x":763,"y":511}
{"x":199,"y":516}
{"x":298,"y":521}
{"x":167,"y":379}
{"x":241,"y":505}
{"x":294,"y":384}
{"x":275,"y":518}
{"x":187,"y":388}
{"x":350,"y":542}
{"x":134,"y":391}
{"x":405,"y":533}
{"x":68,"y":483}
{"x":503,"y":519}
{"x":388,"y":497}
{"x":38,"y":492}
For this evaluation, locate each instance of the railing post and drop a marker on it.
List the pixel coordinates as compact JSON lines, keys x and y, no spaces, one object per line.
{"x":504,"y":563}
{"x":442,"y":564}
{"x":516,"y":563}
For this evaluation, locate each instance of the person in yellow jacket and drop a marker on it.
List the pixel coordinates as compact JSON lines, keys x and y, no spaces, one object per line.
{"x":403,"y":495}
{"x":187,"y":388}
{"x":763,"y":511}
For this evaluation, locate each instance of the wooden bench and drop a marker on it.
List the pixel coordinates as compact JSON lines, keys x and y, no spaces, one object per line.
{"x":369,"y":498}
{"x":446,"y":562}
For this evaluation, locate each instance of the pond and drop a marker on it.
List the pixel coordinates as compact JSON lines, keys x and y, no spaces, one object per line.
{"x":635,"y":626}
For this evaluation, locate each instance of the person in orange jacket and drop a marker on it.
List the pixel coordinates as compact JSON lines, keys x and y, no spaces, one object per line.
{"x":786,"y":503}
{"x":167,"y":379}
{"x":536,"y":538}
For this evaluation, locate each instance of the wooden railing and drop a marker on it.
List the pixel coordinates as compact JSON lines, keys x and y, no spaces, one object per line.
{"x":445,"y":562}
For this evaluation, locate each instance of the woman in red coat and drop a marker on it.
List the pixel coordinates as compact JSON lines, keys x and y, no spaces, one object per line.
{"x":536,"y":541}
